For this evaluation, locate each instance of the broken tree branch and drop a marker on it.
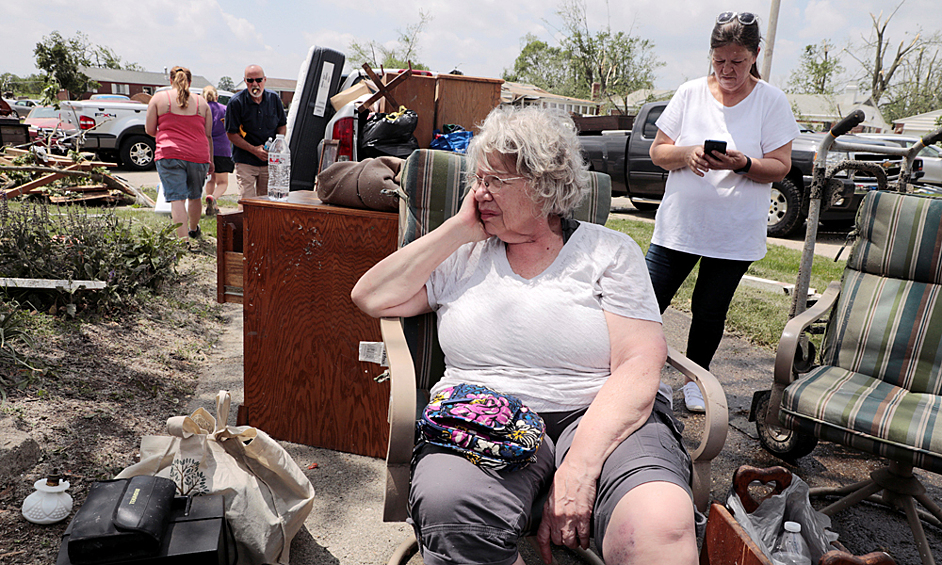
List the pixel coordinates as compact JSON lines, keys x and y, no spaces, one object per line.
{"x":107,"y":180}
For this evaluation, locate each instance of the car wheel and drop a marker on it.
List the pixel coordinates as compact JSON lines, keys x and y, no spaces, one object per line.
{"x":784,"y":444}
{"x":645,"y":206}
{"x":137,"y":153}
{"x":784,"y":209}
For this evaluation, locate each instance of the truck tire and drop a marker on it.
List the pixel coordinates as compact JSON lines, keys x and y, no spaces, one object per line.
{"x":137,"y":152}
{"x":645,"y":206}
{"x":784,"y":209}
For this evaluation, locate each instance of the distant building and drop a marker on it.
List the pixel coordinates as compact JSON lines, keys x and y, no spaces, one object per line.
{"x":821,"y":111}
{"x":129,"y":83}
{"x":285,"y":88}
{"x":519,"y":94}
{"x":918,"y":125}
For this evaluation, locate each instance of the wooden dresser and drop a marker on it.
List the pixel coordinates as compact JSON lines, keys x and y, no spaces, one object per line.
{"x":304,"y":382}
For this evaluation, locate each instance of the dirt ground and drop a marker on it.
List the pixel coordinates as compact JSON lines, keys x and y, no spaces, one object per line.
{"x":106,"y":384}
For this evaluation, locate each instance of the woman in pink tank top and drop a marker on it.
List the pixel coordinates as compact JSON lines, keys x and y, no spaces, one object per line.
{"x":183,"y":125}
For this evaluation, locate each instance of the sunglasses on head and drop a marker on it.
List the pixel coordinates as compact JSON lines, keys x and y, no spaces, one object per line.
{"x":251,"y":80}
{"x":745,"y":18}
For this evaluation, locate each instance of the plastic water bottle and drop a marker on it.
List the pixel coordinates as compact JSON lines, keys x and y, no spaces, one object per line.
{"x":279,"y":169}
{"x":791,"y":549}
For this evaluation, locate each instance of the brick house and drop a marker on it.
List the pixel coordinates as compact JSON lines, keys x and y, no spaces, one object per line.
{"x":129,"y":83}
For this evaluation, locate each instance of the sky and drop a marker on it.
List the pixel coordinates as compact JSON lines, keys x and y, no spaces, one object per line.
{"x":216,"y":38}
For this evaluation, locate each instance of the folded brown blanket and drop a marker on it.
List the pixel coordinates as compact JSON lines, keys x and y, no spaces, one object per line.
{"x":360,"y":184}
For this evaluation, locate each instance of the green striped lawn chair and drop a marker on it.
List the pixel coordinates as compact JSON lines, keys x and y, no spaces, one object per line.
{"x":433,"y":185}
{"x":879,"y":386}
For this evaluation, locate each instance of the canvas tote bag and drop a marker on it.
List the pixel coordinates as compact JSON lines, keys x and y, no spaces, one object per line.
{"x":267,"y":497}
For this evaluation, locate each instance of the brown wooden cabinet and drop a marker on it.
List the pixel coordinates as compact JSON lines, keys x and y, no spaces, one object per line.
{"x":303,"y":379}
{"x":445,"y":99}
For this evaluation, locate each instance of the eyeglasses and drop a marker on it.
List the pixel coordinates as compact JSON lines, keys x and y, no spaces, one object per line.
{"x":745,"y":18}
{"x":492,"y":183}
{"x":251,"y":80}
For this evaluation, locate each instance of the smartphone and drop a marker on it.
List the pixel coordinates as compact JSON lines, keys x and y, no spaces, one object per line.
{"x":714,"y":146}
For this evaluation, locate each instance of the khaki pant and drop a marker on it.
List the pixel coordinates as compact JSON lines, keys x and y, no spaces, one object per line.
{"x":252,"y":180}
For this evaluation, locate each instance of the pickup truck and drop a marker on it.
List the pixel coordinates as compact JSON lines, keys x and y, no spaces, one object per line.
{"x":112,"y":128}
{"x":625,"y":157}
{"x":115,"y":128}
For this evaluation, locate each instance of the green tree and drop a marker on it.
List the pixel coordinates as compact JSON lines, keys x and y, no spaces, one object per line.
{"x":919,"y":86}
{"x":15,"y":85}
{"x":620,"y":63}
{"x":542,"y":66}
{"x":817,"y":71}
{"x":617,"y":62}
{"x":225,"y":83}
{"x":62,"y":58}
{"x":105,"y":57}
{"x":879,"y":67}
{"x":395,"y":57}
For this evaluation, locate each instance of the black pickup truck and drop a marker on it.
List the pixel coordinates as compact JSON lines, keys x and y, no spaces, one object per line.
{"x":624,"y":156}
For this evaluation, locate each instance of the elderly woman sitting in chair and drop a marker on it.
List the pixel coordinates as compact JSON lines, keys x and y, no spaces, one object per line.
{"x":562,"y":316}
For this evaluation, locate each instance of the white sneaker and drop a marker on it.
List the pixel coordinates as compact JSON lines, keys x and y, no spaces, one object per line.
{"x":693,"y":399}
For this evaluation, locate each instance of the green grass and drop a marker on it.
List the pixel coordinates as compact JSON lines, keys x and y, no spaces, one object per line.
{"x":755,"y":314}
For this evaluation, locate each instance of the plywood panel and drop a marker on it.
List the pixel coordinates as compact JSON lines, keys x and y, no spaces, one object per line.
{"x":416,"y":93}
{"x":465,"y":100}
{"x":303,"y":380}
{"x":229,"y":267}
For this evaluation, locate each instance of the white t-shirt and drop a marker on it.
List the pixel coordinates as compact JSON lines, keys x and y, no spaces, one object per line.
{"x":543,"y":340}
{"x":721,"y":215}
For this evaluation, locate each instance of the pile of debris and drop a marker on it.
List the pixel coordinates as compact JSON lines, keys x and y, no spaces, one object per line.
{"x":64,"y":180}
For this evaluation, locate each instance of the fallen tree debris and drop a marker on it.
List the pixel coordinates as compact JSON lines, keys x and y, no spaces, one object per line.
{"x":56,"y":168}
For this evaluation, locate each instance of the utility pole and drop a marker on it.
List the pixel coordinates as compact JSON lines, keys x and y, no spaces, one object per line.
{"x":766,"y":70}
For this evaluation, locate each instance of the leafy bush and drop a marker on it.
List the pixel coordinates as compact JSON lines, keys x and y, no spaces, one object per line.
{"x":76,"y":243}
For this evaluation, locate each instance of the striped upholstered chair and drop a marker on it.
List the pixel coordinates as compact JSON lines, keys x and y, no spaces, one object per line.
{"x":879,"y":386}
{"x":432,"y":188}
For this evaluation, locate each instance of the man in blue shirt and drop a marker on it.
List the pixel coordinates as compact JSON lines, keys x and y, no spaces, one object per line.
{"x":252,"y":117}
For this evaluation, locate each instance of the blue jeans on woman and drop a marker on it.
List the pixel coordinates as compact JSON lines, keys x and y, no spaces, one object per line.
{"x":712,"y":293}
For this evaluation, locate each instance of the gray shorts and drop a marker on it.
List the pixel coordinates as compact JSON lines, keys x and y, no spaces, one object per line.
{"x":182,"y":180}
{"x":463,"y":513}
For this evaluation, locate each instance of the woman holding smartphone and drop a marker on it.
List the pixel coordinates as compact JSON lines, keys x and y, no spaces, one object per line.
{"x":716,"y":204}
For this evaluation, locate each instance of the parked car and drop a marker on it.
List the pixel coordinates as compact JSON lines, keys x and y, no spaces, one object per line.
{"x":20,"y":107}
{"x":115,"y":128}
{"x":47,"y":118}
{"x":112,"y":128}
{"x":46,"y":121}
{"x":931,"y":156}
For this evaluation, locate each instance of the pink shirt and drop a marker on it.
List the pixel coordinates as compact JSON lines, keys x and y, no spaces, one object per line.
{"x":182,"y":137}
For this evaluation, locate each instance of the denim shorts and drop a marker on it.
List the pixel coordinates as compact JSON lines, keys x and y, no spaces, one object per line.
{"x":182,"y":180}
{"x":463,"y":513}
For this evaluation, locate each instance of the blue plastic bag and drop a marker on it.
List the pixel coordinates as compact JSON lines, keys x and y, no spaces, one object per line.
{"x":455,"y":140}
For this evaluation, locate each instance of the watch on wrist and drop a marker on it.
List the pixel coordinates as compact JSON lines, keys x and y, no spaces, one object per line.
{"x":745,"y":168}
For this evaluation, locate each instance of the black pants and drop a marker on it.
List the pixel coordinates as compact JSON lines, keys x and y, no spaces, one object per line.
{"x":714,"y":289}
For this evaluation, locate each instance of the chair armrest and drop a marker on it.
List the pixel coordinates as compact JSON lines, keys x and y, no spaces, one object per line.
{"x":788,"y":345}
{"x":716,"y":423}
{"x":401,"y":419}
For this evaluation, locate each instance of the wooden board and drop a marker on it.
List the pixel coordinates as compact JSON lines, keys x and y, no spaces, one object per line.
{"x":416,"y":93}
{"x":303,"y":379}
{"x":725,"y":542}
{"x":229,"y":264}
{"x":465,"y":100}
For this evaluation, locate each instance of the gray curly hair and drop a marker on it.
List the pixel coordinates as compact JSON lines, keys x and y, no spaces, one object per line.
{"x":543,"y":145}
